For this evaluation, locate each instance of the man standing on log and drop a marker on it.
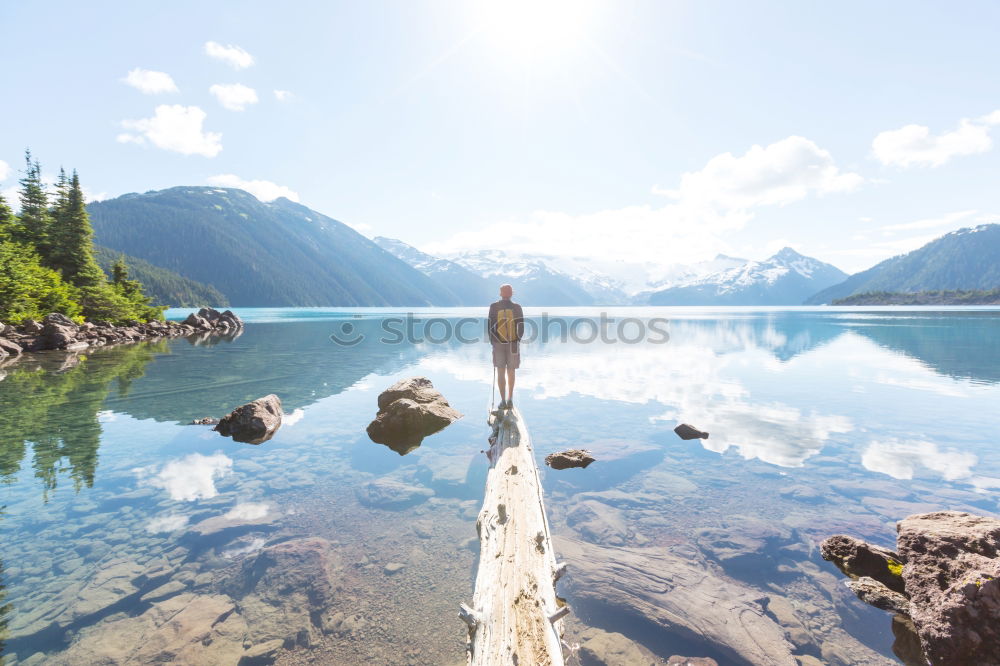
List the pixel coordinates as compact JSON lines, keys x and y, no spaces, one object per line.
{"x":506,"y":326}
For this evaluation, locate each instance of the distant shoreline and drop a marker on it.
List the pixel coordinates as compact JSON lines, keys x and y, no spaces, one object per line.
{"x":944,"y":297}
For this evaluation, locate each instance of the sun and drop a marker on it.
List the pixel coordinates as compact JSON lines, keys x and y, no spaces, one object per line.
{"x":533,"y":31}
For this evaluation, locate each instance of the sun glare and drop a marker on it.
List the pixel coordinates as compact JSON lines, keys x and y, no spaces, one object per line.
{"x":531,"y":31}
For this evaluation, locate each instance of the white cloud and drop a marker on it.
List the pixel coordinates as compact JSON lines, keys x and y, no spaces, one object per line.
{"x":234,"y":96}
{"x":900,"y":459}
{"x":169,"y":523}
{"x":150,"y":82}
{"x":282,"y":95}
{"x":174,"y":127}
{"x":264,"y":190}
{"x":783,"y":172}
{"x":719,"y":198}
{"x":190,"y":478}
{"x":914,"y":145}
{"x":931,"y":222}
{"x":235,"y":56}
{"x":4,"y":170}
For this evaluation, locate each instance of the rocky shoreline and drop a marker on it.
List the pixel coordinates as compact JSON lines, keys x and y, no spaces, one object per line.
{"x":57,"y":331}
{"x":942,"y":584}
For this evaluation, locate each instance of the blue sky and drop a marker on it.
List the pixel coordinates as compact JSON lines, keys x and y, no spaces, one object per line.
{"x":649,"y":131}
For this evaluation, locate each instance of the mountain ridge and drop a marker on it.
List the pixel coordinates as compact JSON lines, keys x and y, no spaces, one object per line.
{"x":964,"y":259}
{"x":272,"y":254}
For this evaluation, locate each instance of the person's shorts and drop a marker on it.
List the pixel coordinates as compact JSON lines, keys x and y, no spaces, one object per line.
{"x":505,"y":356}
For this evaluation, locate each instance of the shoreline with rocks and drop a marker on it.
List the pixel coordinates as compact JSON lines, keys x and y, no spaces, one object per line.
{"x":59,"y":332}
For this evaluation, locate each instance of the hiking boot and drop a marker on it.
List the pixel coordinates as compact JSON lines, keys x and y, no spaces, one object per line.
{"x":510,"y":403}
{"x":502,"y":405}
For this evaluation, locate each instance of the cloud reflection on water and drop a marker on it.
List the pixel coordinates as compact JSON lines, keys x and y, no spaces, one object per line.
{"x":900,"y":459}
{"x":694,"y":378}
{"x":189,"y":478}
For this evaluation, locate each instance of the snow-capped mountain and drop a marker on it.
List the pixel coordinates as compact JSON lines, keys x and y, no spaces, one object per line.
{"x":609,"y":282}
{"x":787,"y":278}
{"x":469,"y":287}
{"x":536,"y":280}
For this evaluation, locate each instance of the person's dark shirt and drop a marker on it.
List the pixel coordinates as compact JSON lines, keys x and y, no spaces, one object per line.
{"x":515,"y":312}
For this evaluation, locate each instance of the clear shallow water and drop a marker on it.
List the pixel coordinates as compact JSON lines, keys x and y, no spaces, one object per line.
{"x":821,"y":420}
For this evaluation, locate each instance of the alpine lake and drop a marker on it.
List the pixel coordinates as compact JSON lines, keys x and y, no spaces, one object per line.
{"x":131,"y":536}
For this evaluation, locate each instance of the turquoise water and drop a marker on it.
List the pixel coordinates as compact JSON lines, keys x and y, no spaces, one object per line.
{"x":821,"y":421}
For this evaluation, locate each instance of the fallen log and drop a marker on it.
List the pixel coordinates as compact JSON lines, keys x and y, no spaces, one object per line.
{"x":515,"y":616}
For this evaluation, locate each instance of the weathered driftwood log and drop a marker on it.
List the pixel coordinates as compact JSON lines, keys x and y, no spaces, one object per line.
{"x":515,"y":617}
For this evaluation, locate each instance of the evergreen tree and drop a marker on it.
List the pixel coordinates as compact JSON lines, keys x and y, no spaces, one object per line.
{"x":119,"y":278}
{"x":30,"y":290}
{"x":71,"y":240}
{"x":34,"y":222}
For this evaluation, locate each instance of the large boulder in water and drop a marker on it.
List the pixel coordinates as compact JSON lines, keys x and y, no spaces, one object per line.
{"x":857,"y":559}
{"x":254,"y":422}
{"x":410,"y":410}
{"x":569,"y":458}
{"x":952,"y":575}
{"x":58,"y":330}
{"x":948,"y":563}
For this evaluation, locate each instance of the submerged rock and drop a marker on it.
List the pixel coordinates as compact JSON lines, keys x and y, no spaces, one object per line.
{"x":253,"y":423}
{"x":410,"y":410}
{"x":391,"y":494}
{"x":606,"y":648}
{"x":242,"y":518}
{"x":205,"y":420}
{"x":286,"y":591}
{"x":182,"y":629}
{"x":676,"y":594}
{"x":878,"y":595}
{"x":569,"y":458}
{"x":685,"y":431}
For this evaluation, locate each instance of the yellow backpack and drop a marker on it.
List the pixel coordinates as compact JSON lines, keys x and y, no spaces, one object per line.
{"x":506,"y":327}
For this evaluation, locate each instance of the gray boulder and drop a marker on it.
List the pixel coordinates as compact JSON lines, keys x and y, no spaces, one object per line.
{"x":952,"y":575}
{"x":209,"y":314}
{"x":253,"y":423}
{"x":60,"y":319}
{"x":410,"y":410}
{"x":58,"y":330}
{"x":197,"y":321}
{"x":9,"y":348}
{"x":31,"y":327}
